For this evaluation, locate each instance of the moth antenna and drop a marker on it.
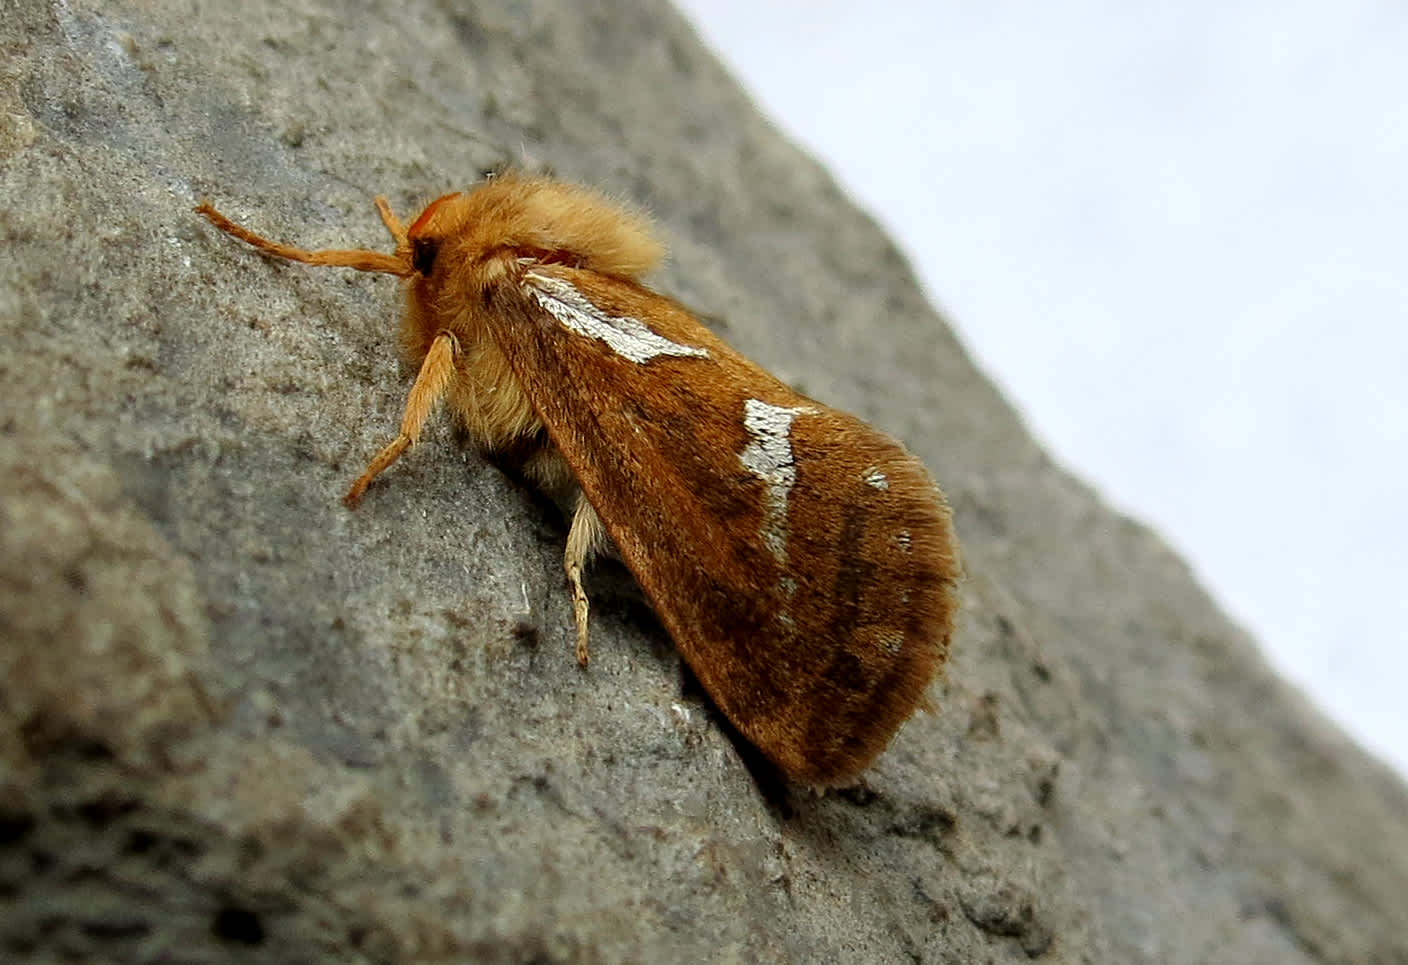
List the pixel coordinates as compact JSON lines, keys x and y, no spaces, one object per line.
{"x":359,"y":258}
{"x":393,"y":224}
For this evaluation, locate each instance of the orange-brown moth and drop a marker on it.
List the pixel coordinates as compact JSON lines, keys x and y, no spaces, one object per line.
{"x":804,"y":563}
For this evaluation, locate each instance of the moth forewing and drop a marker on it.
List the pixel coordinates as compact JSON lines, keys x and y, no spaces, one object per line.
{"x":803,"y":562}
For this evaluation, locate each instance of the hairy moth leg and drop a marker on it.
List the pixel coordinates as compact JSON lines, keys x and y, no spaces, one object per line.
{"x":585,"y":538}
{"x":435,"y":374}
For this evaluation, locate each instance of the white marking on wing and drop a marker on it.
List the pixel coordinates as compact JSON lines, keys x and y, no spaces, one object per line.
{"x":769,"y":457}
{"x":628,"y":337}
{"x":877,"y":479}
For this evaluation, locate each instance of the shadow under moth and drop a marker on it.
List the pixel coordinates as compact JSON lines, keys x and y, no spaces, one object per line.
{"x":803,"y":562}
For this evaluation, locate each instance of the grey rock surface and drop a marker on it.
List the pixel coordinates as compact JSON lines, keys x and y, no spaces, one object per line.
{"x":240,"y":723}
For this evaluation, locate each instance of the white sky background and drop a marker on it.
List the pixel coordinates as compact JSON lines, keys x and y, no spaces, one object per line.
{"x":1177,"y":234}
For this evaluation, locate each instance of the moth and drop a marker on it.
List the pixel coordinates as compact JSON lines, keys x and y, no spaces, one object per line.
{"x":803,"y":562}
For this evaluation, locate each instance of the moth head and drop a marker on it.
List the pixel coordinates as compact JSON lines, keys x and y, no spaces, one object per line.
{"x":427,"y":234}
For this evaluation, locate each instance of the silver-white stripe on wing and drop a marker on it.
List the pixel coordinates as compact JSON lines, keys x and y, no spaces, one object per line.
{"x":768,"y":456}
{"x":628,"y":337}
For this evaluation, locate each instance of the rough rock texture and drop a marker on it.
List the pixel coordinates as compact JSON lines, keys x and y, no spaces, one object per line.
{"x":240,"y":723}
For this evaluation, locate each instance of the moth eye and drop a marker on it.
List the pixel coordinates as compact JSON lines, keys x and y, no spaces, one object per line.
{"x":423,"y":252}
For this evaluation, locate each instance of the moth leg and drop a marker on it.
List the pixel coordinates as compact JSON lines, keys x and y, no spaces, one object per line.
{"x":435,"y":374}
{"x":585,"y":539}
